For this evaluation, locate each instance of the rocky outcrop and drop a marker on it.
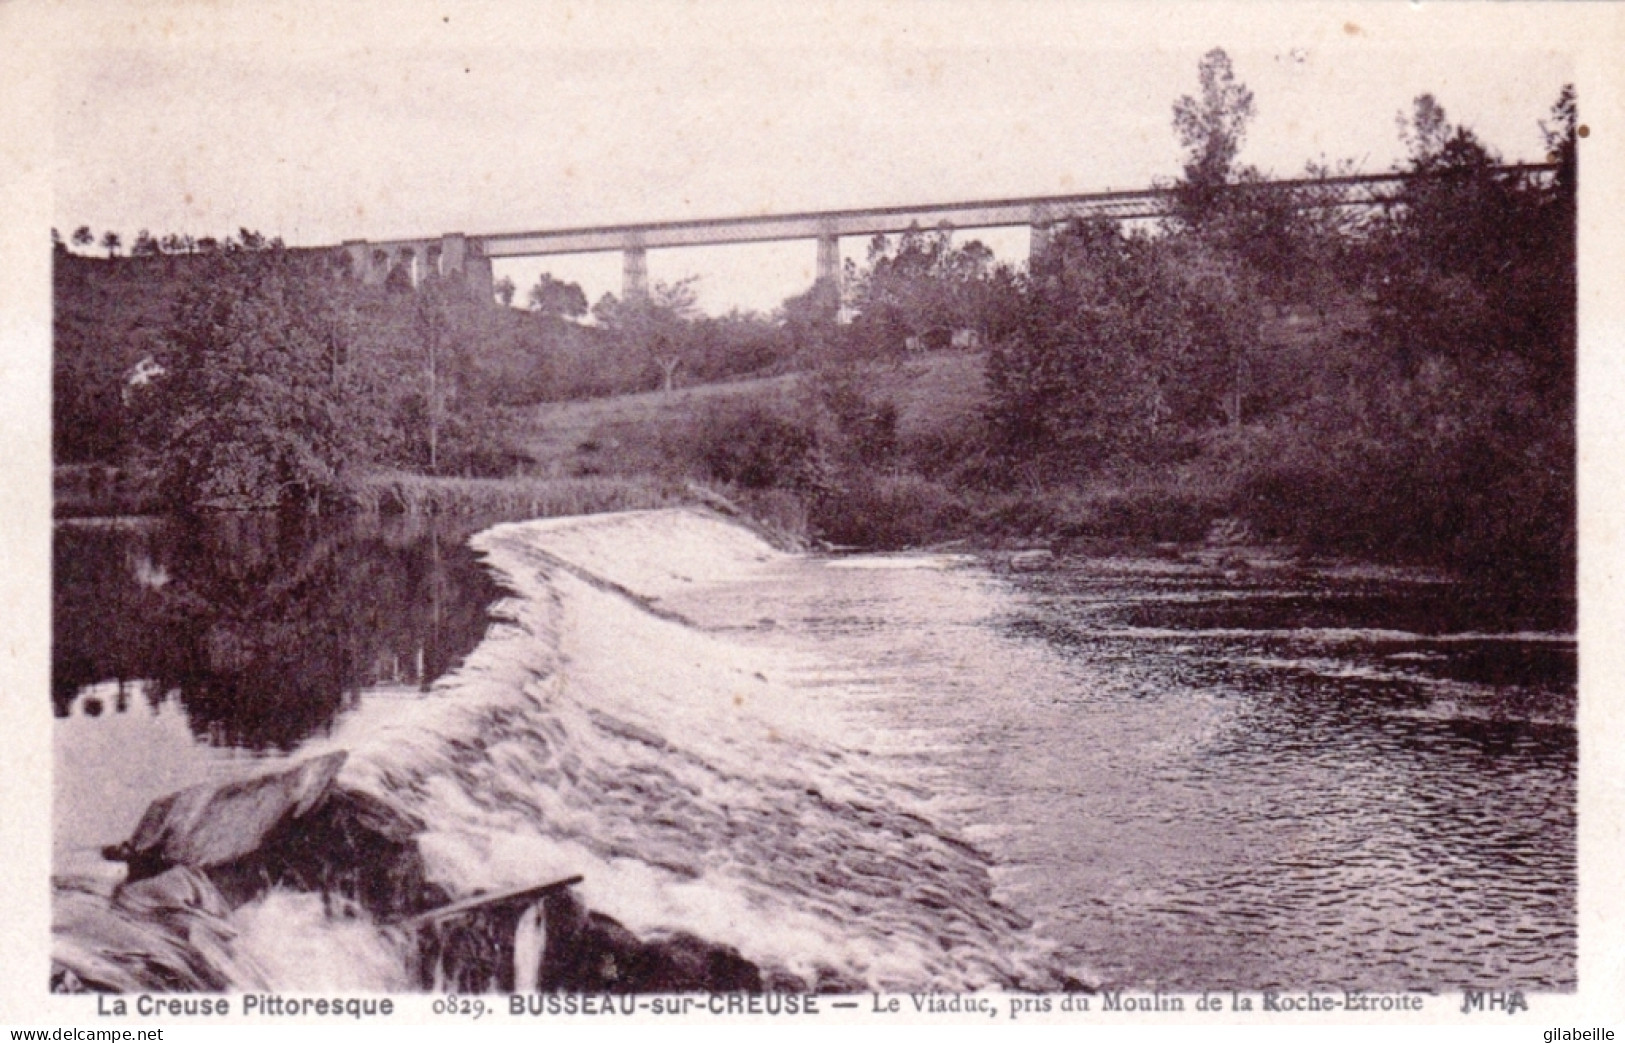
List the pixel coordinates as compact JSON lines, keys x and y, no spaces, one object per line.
{"x":295,"y":829}
{"x":590,"y":952}
{"x":199,"y":853}
{"x":167,"y":932}
{"x":207,"y":825}
{"x":354,"y":846}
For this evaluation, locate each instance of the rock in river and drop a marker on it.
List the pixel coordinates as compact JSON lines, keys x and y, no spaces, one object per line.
{"x":210,"y":825}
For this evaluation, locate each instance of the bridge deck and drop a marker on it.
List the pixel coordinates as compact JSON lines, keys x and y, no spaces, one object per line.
{"x":1359,"y":190}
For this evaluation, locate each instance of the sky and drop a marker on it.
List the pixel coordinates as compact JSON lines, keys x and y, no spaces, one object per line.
{"x":414,"y":119}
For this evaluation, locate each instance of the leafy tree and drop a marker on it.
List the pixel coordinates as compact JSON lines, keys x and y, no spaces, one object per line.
{"x":919,"y":291}
{"x":252,"y":410}
{"x":1121,"y":343}
{"x":1087,"y":368}
{"x":1458,"y":249}
{"x":430,"y":328}
{"x":145,"y":245}
{"x":429,"y":366}
{"x":1211,"y":130}
{"x":736,"y":344}
{"x":87,"y":378}
{"x":658,"y":325}
{"x":448,"y":329}
{"x":605,"y":308}
{"x":809,"y":321}
{"x":112,"y":243}
{"x":1562,"y":139}
{"x":83,"y":236}
{"x":756,"y":447}
{"x":550,"y":296}
{"x":1455,"y":441}
{"x":504,"y":290}
{"x":1222,"y":298}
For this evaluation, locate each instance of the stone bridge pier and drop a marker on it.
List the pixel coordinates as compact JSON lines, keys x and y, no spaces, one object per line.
{"x":829,"y":260}
{"x":1040,"y":223}
{"x":634,"y":270}
{"x":635,"y":265}
{"x":451,"y":257}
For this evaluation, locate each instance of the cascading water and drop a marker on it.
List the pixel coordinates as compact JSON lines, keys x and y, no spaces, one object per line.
{"x":679,"y":771}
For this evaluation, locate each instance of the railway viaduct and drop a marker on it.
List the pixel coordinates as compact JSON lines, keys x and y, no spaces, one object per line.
{"x":469,"y":256}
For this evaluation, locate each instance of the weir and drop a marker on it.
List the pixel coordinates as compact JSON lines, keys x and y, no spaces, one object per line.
{"x":700,"y":826}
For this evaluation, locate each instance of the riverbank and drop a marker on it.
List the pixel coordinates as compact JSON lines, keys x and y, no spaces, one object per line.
{"x":895,"y":454}
{"x":517,"y":497}
{"x":898,"y":454}
{"x":1171,"y":515}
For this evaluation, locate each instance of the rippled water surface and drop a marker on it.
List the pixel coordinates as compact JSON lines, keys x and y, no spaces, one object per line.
{"x":897,"y":770}
{"x":1193,"y":779}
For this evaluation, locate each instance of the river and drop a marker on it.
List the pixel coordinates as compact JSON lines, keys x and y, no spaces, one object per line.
{"x":890,"y":771}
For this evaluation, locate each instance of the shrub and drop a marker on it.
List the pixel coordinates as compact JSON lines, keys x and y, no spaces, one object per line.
{"x":888,"y":511}
{"x":755,"y":448}
{"x":860,"y":428}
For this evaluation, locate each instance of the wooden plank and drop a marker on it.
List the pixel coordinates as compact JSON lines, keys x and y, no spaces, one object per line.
{"x":478,"y":901}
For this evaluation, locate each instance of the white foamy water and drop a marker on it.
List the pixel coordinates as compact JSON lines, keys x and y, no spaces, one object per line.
{"x":295,"y":941}
{"x":685,"y":774}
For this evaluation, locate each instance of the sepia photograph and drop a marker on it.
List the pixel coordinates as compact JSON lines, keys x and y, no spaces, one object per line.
{"x":1029,"y":509}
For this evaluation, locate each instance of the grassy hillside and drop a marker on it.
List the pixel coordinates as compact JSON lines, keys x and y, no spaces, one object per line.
{"x":639,"y":433}
{"x":931,"y":478}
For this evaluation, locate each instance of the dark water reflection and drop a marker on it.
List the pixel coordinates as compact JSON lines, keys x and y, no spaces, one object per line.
{"x":263,"y":629}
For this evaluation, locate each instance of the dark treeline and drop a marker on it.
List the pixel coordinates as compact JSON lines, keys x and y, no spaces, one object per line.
{"x":265,"y":377}
{"x":1390,"y":382}
{"x":145,"y":244}
{"x":1393,"y":383}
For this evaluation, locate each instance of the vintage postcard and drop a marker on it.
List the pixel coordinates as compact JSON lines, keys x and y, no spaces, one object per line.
{"x":534,"y":515}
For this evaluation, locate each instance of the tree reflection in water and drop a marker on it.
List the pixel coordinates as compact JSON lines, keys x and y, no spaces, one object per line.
{"x":264,"y":627}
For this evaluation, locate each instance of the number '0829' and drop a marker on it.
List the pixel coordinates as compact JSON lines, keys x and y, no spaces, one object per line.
{"x":460,"y":1006}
